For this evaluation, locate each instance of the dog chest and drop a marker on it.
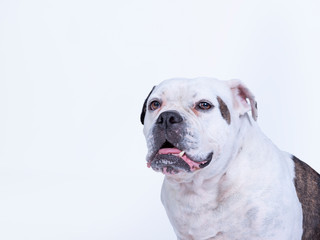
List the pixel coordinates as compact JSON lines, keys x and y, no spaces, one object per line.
{"x":250,"y":212}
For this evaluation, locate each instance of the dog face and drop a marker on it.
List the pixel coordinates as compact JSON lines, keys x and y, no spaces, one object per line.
{"x":189,"y":123}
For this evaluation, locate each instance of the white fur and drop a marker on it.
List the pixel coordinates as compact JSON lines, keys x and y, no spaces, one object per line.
{"x":247,"y":191}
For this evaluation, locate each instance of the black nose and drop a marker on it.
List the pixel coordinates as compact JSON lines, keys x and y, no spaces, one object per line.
{"x":169,"y":118}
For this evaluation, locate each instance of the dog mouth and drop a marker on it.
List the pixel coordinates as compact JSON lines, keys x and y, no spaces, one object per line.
{"x":170,"y":160}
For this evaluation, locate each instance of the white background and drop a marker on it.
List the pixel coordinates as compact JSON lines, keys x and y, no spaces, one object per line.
{"x":74,"y":75}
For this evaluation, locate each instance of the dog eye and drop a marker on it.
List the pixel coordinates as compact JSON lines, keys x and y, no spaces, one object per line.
{"x":154,"y":105}
{"x":204,"y":105}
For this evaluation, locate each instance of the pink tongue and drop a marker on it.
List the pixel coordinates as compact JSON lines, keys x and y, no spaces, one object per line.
{"x":169,"y":151}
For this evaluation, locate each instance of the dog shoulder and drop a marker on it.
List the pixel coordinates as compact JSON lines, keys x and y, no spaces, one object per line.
{"x":307,"y":183}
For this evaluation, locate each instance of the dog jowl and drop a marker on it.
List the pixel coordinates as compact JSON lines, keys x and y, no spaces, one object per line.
{"x":224,"y":179}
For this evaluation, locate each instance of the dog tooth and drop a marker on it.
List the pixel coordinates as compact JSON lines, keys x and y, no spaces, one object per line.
{"x":181,"y":154}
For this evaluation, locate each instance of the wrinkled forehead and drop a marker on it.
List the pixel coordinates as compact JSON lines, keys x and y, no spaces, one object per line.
{"x":190,"y":90}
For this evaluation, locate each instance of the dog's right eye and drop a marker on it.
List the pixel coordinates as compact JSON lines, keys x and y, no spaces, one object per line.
{"x":204,"y":105}
{"x":154,"y":105}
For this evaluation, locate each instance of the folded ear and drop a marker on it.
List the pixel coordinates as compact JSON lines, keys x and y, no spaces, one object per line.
{"x":144,"y":107}
{"x":240,"y":95}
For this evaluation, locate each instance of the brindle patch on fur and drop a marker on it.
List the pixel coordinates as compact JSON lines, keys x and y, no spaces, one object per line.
{"x":224,"y":110}
{"x":307,"y":183}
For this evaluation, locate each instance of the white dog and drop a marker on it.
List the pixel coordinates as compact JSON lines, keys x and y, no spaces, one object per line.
{"x":224,"y":179}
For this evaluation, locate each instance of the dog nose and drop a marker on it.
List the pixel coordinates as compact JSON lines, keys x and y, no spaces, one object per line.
{"x":169,"y":118}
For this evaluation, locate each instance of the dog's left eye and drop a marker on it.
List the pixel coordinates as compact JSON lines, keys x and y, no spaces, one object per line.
{"x":204,"y":105}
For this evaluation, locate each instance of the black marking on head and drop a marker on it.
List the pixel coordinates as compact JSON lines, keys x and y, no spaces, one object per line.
{"x":307,"y":183}
{"x":144,"y":107}
{"x":225,"y":113}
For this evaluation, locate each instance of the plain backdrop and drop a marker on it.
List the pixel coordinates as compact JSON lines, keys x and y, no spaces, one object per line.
{"x":74,"y":75}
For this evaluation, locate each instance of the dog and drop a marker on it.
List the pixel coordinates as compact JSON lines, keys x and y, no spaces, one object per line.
{"x":224,"y":179}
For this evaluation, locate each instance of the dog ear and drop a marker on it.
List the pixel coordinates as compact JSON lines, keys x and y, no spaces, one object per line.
{"x":144,"y":107}
{"x":240,"y":95}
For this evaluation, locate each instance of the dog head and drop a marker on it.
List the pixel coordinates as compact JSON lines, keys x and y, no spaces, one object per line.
{"x":190,"y":124}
